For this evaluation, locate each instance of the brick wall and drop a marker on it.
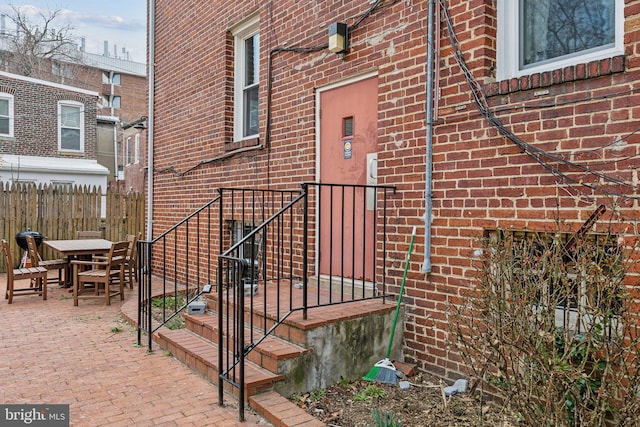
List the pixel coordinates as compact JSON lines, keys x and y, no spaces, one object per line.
{"x":36,"y":119}
{"x":135,"y":174}
{"x":481,"y":179}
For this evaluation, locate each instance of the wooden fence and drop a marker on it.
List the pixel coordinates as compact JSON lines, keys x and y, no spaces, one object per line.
{"x":59,"y":211}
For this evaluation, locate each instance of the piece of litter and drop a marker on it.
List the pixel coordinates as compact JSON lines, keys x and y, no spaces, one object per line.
{"x":297,"y":285}
{"x":460,"y":386}
{"x":404,"y":385}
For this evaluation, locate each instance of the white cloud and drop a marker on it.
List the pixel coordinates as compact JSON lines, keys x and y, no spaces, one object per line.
{"x":122,"y":31}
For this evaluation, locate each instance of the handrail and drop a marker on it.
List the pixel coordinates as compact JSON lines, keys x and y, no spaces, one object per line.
{"x":245,"y":240}
{"x":145,"y":267}
{"x":236,"y":277}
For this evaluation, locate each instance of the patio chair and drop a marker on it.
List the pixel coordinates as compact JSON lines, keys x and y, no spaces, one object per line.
{"x":88,"y":234}
{"x":52,"y":264}
{"x":37,"y":277}
{"x":132,"y":259}
{"x":105,"y":273}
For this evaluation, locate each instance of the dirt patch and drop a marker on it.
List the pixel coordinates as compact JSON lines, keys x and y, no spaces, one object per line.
{"x":423,"y":404}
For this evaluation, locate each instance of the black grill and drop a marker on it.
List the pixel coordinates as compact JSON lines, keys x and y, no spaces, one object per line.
{"x":21,"y":238}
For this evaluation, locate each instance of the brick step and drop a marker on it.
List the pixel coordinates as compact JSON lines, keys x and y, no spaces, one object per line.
{"x":273,"y":353}
{"x":201,"y":355}
{"x":281,"y":412}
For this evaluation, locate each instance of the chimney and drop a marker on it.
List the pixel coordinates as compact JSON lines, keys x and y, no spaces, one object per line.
{"x":115,"y":51}
{"x":106,"y":48}
{"x":3,"y":29}
{"x":82,"y":44}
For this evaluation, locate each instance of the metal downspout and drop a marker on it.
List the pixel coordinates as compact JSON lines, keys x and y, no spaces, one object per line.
{"x":426,"y":265}
{"x":151,"y":71}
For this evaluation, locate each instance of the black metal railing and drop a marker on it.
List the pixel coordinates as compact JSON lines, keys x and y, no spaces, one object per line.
{"x":180,"y":261}
{"x":342,"y":224}
{"x":269,"y":253}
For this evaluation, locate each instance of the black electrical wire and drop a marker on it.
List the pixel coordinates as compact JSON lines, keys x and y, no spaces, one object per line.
{"x":541,"y":156}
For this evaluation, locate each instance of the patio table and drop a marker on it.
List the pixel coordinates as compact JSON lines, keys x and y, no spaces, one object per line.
{"x":74,"y":248}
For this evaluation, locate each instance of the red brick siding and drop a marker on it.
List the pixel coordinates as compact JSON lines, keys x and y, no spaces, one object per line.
{"x":481,"y":180}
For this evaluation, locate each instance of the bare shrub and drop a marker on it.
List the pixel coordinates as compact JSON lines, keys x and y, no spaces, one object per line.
{"x":552,"y":327}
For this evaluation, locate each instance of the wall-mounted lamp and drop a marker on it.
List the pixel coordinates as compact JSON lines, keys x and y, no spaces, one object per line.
{"x":338,"y":37}
{"x":136,"y":124}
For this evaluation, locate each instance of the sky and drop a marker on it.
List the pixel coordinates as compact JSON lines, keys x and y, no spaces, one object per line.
{"x":120,"y":22}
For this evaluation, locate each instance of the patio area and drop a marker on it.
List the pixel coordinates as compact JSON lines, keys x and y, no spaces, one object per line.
{"x":54,"y":353}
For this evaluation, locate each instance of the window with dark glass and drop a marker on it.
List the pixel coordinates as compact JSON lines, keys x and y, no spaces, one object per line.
{"x":552,"y":29}
{"x":250,"y":90}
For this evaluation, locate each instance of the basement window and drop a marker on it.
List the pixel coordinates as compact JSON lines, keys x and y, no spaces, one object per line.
{"x":576,"y":279}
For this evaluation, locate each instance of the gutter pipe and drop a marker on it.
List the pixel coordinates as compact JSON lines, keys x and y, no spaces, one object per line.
{"x":428,"y":215}
{"x":150,"y":121}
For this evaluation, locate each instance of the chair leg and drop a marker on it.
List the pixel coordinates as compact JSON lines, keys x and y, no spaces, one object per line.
{"x":121,"y":285}
{"x":132,"y":277}
{"x":75,"y":285}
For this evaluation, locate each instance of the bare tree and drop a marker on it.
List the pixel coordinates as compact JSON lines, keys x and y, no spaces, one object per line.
{"x":38,"y":49}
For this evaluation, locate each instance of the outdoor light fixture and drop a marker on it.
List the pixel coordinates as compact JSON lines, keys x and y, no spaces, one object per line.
{"x":337,"y":37}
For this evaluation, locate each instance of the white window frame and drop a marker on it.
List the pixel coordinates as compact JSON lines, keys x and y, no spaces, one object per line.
{"x":136,"y":157}
{"x":241,"y":32}
{"x":8,"y":97}
{"x":508,"y":44}
{"x":80,"y":106}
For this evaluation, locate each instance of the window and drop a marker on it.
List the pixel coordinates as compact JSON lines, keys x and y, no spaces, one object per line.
{"x":129,"y":151}
{"x":246,"y":79}
{"x":70,"y":126}
{"x":577,"y":276}
{"x":111,"y":101}
{"x":109,"y":77}
{"x":61,"y":70}
{"x":249,"y":252}
{"x":544,"y":35}
{"x":136,"y":157}
{"x":6,"y":114}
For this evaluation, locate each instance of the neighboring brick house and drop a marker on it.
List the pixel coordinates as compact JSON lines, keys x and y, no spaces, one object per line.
{"x":239,"y":89}
{"x":122,"y":98}
{"x":122,"y":88}
{"x":48,"y":133}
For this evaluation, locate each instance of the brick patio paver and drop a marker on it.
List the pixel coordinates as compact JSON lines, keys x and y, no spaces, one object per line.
{"x":54,"y":353}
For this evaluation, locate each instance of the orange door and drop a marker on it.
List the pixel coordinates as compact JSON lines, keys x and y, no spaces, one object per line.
{"x":348,"y":143}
